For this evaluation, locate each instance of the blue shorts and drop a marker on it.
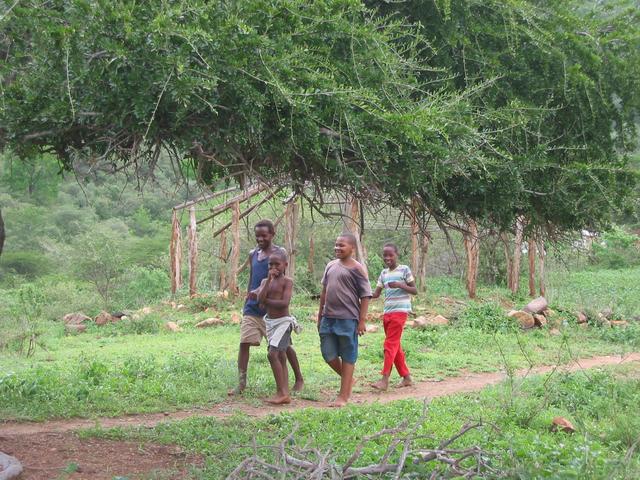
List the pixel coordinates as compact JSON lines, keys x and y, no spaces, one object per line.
{"x":339,"y":338}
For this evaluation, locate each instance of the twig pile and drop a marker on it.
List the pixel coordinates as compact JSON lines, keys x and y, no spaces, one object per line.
{"x":292,"y":461}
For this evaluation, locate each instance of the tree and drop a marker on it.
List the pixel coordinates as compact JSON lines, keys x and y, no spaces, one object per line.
{"x":286,"y":91}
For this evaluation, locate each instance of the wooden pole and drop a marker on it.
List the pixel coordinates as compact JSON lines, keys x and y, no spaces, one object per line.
{"x":204,"y":198}
{"x":422,"y":264}
{"x":175,"y":254}
{"x":290,"y":234}
{"x":243,"y":197}
{"x":352,"y":224}
{"x":235,"y":249}
{"x":415,"y":251}
{"x":472,"y":247}
{"x":193,"y":251}
{"x":310,"y":259}
{"x":541,"y":258}
{"x":245,"y":213}
{"x":517,"y":255}
{"x":223,"y":262}
{"x":531,"y":252}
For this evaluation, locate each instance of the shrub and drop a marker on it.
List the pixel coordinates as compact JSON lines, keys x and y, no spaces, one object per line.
{"x":618,"y":249}
{"x":488,"y":317}
{"x":28,"y":264}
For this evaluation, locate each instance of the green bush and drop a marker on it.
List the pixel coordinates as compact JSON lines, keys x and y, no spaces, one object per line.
{"x":29,"y":264}
{"x":617,"y":249}
{"x":488,"y":317}
{"x":141,"y":286}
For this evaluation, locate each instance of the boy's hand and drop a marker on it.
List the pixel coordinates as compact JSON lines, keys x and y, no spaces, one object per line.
{"x":396,"y":284}
{"x":362,"y":327}
{"x":253,"y":294}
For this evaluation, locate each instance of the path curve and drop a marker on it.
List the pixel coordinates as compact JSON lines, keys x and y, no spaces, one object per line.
{"x":462,"y":384}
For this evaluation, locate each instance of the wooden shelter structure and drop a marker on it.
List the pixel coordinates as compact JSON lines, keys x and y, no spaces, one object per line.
{"x":229,"y":238}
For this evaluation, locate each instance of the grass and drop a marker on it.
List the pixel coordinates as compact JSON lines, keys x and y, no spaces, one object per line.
{"x":517,"y":416}
{"x":137,"y":366}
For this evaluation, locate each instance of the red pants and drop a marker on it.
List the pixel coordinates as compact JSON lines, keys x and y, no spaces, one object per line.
{"x":393,"y":355}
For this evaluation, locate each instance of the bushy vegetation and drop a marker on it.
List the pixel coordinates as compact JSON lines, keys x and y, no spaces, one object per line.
{"x":517,"y":435}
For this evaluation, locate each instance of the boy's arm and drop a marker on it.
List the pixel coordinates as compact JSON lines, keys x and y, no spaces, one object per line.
{"x":250,"y":274}
{"x":377,"y":292}
{"x":283,"y":302}
{"x":364,"y":307}
{"x":323,"y":297}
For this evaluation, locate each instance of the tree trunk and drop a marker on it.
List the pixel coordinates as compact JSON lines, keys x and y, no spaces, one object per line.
{"x":517,"y":255}
{"x":352,"y":224}
{"x":310,"y":258}
{"x":175,"y":254}
{"x":541,"y":257}
{"x":193,"y":252}
{"x":291,"y":234}
{"x":235,"y":249}
{"x":2,"y":235}
{"x":507,"y":255}
{"x":223,"y":262}
{"x":472,"y":248}
{"x":531,"y":247}
{"x":422,"y":264}
{"x":415,"y":250}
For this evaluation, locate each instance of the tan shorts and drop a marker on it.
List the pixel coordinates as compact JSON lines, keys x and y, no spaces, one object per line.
{"x":252,"y":330}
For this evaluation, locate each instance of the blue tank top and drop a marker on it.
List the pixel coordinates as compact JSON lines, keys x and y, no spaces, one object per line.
{"x":259,"y":271}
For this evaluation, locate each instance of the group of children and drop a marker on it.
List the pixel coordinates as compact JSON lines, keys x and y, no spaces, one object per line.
{"x":344,"y":302}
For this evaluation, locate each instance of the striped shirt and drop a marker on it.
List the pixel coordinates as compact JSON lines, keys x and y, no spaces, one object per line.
{"x":396,"y":299}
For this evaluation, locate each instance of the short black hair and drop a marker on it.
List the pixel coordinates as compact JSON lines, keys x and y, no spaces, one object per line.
{"x":391,"y":245}
{"x":280,"y":253}
{"x":266,"y":223}
{"x":350,"y":237}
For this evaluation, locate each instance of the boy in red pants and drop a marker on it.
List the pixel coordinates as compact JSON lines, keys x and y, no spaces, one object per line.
{"x":399,"y":285}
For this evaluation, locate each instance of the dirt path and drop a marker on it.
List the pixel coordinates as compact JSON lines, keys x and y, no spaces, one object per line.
{"x":449,"y":386}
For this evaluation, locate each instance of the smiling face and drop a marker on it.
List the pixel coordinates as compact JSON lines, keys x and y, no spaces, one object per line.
{"x":343,"y":248}
{"x":263,"y":237}
{"x":390,"y":257}
{"x":277,"y":265}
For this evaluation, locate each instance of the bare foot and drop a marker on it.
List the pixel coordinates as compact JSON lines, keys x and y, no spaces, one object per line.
{"x":298,"y":386}
{"x":279,"y":400}
{"x":381,"y":384}
{"x":406,"y":382}
{"x":236,"y":391}
{"x":338,"y":403}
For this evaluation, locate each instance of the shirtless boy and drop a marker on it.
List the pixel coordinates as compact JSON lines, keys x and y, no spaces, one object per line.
{"x":274,"y":294}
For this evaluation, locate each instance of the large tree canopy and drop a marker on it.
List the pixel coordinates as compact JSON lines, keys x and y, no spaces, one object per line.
{"x":560,"y":94}
{"x":305,"y":91}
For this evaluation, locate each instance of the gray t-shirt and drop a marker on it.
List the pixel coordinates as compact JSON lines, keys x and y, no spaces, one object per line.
{"x":345,"y":287}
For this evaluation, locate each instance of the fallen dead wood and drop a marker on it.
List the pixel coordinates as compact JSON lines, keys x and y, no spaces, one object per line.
{"x":293,"y":461}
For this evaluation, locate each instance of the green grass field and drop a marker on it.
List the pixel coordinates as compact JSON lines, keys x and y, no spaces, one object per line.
{"x":137,"y":366}
{"x":516,"y":435}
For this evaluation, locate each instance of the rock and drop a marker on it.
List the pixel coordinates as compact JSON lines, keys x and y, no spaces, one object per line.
{"x":410,"y":323}
{"x":209,"y":322}
{"x":372,"y":328}
{"x":619,"y":323}
{"x":437,"y":321}
{"x":105,"y":317}
{"x":555,"y":332}
{"x":181,"y":307}
{"x":173,"y":305}
{"x":606,"y":313}
{"x":420,"y":322}
{"x":583,"y":325}
{"x":172,"y":326}
{"x":547,"y":312}
{"x":10,"y":467}
{"x":76,"y":318}
{"x":75,"y":328}
{"x":540,"y":320}
{"x":581,"y":317}
{"x":374,"y":317}
{"x":235,"y":318}
{"x":223,"y":294}
{"x":525,"y":319}
{"x":146,"y":310}
{"x":536,"y":306}
{"x":562,"y":424}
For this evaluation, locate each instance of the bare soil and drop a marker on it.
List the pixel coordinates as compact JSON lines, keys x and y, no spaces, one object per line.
{"x":48,"y":455}
{"x":47,"y":449}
